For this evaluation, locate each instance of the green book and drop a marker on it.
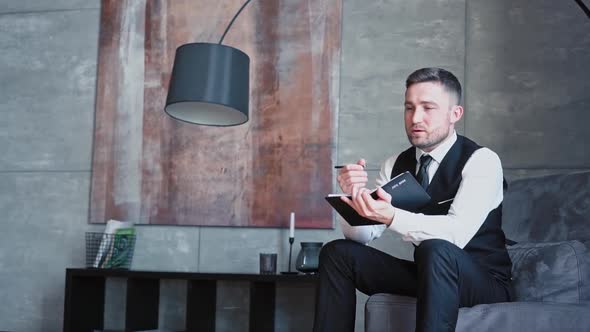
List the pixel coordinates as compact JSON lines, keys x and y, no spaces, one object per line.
{"x":121,"y":250}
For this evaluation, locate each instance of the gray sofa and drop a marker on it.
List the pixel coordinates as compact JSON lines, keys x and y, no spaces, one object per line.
{"x":549,"y":218}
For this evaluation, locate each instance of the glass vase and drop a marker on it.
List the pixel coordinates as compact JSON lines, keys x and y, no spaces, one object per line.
{"x":308,"y":257}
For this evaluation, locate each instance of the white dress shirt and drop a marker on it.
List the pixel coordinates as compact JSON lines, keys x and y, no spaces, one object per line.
{"x":480,"y":191}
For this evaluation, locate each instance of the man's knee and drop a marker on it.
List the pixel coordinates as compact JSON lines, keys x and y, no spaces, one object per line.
{"x":435,"y":250}
{"x":336,"y":249}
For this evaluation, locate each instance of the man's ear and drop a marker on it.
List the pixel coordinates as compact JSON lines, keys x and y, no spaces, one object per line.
{"x":456,"y":113}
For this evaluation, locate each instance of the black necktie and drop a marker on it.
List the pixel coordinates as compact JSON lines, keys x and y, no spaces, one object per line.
{"x":422,"y":176}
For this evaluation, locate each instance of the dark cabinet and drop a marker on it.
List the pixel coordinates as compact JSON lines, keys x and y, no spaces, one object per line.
{"x":85,"y":294}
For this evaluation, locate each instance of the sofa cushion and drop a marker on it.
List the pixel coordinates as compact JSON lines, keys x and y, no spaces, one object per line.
{"x":548,"y":208}
{"x":554,"y":272}
{"x":525,"y":316}
{"x":387,"y":312}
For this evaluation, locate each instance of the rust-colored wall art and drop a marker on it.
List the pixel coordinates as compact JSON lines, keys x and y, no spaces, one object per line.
{"x":151,"y":169}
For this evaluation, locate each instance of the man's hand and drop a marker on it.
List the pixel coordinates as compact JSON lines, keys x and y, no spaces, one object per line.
{"x":379,"y":210}
{"x":352,"y":176}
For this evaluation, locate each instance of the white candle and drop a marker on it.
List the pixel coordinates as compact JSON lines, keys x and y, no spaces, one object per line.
{"x":292,"y":225}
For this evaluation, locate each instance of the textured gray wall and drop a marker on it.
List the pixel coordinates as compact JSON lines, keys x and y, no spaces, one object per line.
{"x":525,"y":66}
{"x":528,"y":77}
{"x":47,"y":70}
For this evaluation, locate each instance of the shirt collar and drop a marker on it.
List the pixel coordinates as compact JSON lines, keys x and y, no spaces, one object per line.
{"x":440,"y":151}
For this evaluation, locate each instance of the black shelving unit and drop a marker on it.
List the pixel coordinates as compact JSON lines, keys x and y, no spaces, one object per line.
{"x":85,"y":294}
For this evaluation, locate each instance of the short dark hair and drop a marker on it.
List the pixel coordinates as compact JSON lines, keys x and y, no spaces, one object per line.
{"x":444,"y":77}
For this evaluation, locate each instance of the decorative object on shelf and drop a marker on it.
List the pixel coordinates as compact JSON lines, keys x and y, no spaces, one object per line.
{"x":309,"y":256}
{"x":291,"y":240}
{"x":268,"y":263}
{"x":113,"y":248}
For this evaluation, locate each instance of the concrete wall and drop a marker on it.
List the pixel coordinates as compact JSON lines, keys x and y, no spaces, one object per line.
{"x":524,"y":65}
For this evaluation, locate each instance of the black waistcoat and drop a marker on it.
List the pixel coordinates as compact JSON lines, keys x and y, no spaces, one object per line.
{"x":487,"y":247}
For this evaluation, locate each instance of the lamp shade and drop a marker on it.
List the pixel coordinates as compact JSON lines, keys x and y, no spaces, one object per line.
{"x":209,"y":85}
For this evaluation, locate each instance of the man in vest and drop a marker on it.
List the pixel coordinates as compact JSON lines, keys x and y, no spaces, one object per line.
{"x":460,"y":258}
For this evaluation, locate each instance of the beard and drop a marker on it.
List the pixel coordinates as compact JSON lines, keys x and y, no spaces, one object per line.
{"x":429,"y":141}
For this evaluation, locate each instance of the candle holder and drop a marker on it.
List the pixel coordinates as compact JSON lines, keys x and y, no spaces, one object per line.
{"x":291,"y":240}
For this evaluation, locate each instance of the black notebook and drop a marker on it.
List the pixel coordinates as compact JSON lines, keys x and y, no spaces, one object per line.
{"x":406,"y":193}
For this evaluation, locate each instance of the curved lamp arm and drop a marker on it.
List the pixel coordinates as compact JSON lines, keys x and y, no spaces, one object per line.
{"x":232,"y":20}
{"x":584,"y":7}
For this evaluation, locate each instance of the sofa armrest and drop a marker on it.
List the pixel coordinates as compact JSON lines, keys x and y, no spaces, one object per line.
{"x":554,"y":272}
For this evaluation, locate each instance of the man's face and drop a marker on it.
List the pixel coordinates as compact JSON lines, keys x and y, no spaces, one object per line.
{"x":430,"y":114}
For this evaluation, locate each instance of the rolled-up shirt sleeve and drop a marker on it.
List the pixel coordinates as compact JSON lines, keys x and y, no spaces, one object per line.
{"x":480,"y":191}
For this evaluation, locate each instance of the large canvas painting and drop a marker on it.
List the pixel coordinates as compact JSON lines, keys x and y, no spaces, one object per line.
{"x":151,"y":169}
